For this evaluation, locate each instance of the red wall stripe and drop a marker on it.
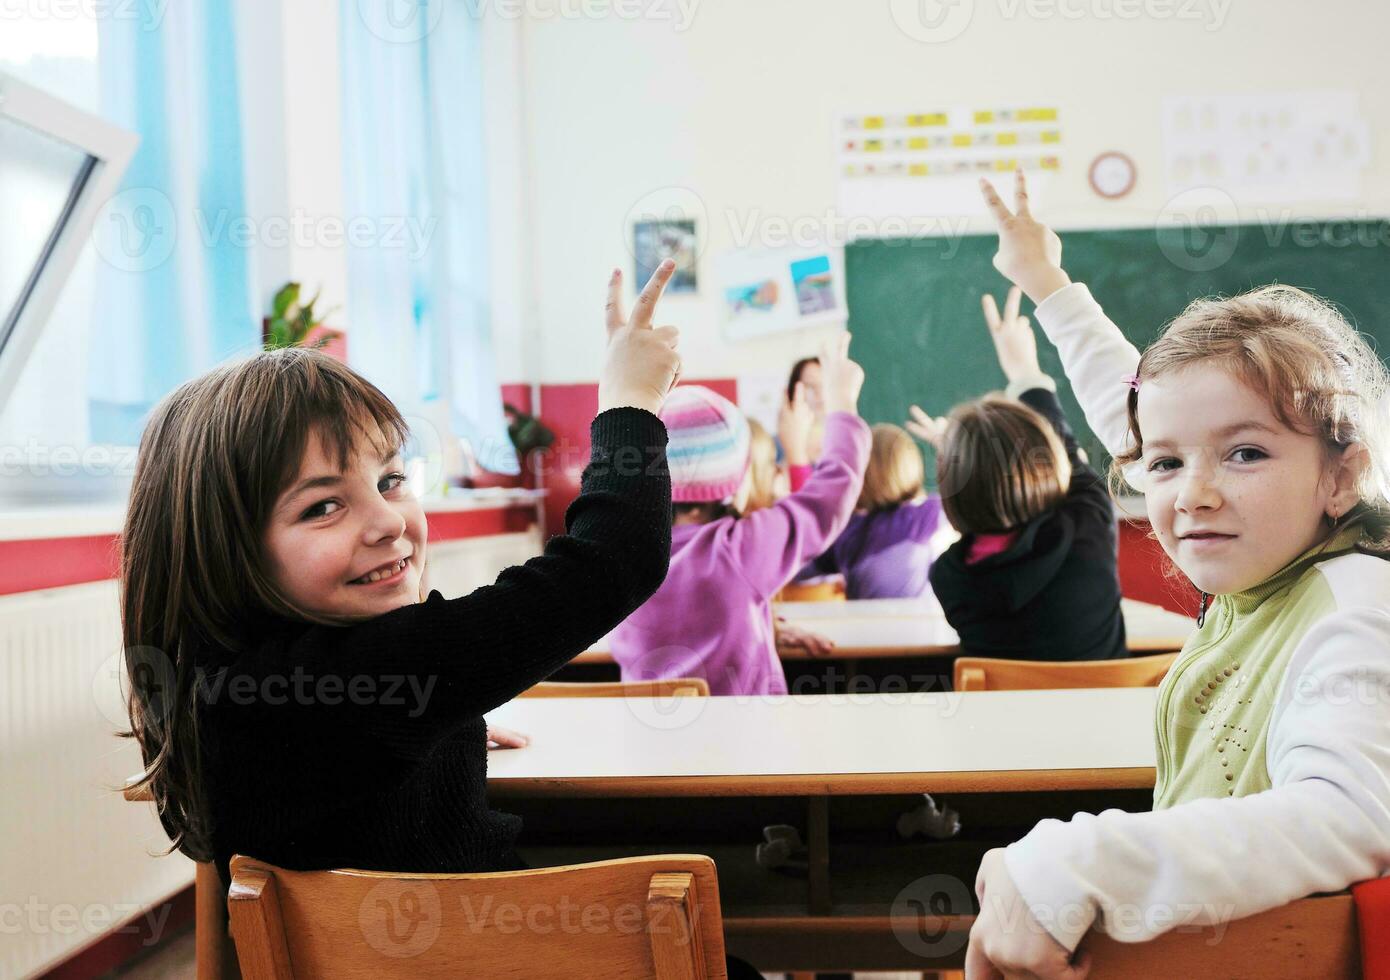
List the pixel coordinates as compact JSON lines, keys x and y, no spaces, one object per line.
{"x":48,"y":563}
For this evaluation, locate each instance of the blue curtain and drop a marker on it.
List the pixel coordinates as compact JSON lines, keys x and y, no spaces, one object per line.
{"x":174,"y":288}
{"x":413,"y":168}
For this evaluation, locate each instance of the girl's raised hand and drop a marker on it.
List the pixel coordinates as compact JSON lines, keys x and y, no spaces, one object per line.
{"x":1014,"y":341}
{"x":1030,"y":253}
{"x":840,"y":377}
{"x":923,"y":426}
{"x":794,"y":425}
{"x":642,"y":365}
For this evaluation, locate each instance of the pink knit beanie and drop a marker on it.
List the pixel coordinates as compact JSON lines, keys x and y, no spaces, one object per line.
{"x":708,"y":448}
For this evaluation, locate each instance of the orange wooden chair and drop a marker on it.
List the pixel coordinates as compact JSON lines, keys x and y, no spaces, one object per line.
{"x":645,"y":917}
{"x":1311,"y":937}
{"x":989,"y":674}
{"x":830,"y":590}
{"x":672,"y":687}
{"x":212,"y":944}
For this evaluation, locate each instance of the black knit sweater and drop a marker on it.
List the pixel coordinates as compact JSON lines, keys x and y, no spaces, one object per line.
{"x":1054,"y":593}
{"x":365,"y":746}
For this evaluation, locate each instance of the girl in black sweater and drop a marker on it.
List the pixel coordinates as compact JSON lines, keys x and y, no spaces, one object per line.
{"x":295,"y":694}
{"x":1034,"y":574}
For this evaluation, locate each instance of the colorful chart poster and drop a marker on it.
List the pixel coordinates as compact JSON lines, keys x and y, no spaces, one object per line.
{"x":897,"y":164}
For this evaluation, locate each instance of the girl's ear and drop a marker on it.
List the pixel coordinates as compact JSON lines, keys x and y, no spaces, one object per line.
{"x":1344,"y":475}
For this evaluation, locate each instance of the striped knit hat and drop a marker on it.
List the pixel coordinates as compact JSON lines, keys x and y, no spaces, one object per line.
{"x":708,"y":449}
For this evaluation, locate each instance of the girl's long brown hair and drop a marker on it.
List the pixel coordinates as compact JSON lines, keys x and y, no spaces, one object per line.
{"x":213,"y":460}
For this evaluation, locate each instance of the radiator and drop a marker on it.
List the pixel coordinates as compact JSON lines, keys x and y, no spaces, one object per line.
{"x":76,"y":859}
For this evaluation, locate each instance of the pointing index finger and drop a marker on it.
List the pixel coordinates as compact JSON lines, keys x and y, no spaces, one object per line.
{"x":614,"y":309}
{"x":1021,"y":194}
{"x":646,"y":303}
{"x":991,"y":312}
{"x":996,"y":205}
{"x":1011,"y":305}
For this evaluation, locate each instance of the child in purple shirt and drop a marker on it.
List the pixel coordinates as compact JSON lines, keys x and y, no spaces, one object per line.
{"x":886,"y":550}
{"x":712,"y":617}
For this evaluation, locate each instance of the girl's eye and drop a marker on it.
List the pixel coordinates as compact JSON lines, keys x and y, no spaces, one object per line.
{"x":1249,"y":454}
{"x":390,"y":482}
{"x":1160,"y":465}
{"x":320,"y":509}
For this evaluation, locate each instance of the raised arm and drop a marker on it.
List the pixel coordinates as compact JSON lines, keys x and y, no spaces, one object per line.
{"x":771,"y":545}
{"x":1096,"y":357}
{"x":479,"y":651}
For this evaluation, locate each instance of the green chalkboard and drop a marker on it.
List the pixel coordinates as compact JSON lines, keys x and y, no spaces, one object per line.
{"x":914,"y":304}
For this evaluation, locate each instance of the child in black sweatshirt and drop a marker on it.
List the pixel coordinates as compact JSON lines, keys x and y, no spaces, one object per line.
{"x":1034,"y":574}
{"x":296,"y":696}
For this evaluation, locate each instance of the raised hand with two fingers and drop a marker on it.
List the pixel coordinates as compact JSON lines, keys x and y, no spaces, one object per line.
{"x":642,"y":365}
{"x":1030,"y":253}
{"x":1014,"y":341}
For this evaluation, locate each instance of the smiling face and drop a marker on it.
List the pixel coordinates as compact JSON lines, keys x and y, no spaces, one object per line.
{"x":1233,"y":494}
{"x":347,"y":543}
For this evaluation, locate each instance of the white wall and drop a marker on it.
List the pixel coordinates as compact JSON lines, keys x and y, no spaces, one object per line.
{"x":739,"y":110}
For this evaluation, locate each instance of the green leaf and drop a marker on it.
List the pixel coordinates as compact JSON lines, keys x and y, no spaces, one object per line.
{"x":285,"y":298}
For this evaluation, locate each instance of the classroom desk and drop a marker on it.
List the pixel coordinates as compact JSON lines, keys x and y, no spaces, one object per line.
{"x":739,"y":754}
{"x":887,"y":628}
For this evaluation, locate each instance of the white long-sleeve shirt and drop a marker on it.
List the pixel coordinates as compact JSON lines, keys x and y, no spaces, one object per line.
{"x":1324,"y":824}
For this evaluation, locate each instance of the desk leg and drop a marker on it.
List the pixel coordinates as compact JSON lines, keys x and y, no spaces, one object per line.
{"x":818,"y":853}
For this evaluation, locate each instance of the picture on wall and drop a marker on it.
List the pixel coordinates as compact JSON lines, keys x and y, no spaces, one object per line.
{"x":771,"y":290}
{"x":655,"y":241}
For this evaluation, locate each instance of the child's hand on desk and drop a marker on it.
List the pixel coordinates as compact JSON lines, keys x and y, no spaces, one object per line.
{"x":794,"y":425}
{"x":930,"y":430}
{"x":1007,"y":940}
{"x":794,"y":638}
{"x":1030,"y":253}
{"x":1014,"y":342}
{"x":505,"y":738}
{"x":642,"y":365}
{"x":840,"y":377}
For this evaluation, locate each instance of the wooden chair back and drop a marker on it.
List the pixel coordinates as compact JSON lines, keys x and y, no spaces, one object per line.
{"x":830,"y":590}
{"x":989,"y":674}
{"x":1312,"y":937}
{"x":646,"y":918}
{"x":672,"y":687}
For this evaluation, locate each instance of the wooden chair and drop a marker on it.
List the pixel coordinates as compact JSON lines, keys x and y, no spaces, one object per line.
{"x":831,"y":590}
{"x":988,"y":674}
{"x":1312,"y":937}
{"x":672,"y":687}
{"x":645,"y":917}
{"x":212,"y":944}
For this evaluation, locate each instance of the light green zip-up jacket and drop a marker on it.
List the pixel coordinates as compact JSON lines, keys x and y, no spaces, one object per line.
{"x":1273,"y":729}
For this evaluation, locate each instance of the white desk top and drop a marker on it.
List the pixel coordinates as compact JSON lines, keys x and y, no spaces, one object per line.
{"x":835,"y":744}
{"x":863,"y":626}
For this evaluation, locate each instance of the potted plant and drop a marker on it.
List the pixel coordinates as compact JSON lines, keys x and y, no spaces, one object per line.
{"x":295,"y":324}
